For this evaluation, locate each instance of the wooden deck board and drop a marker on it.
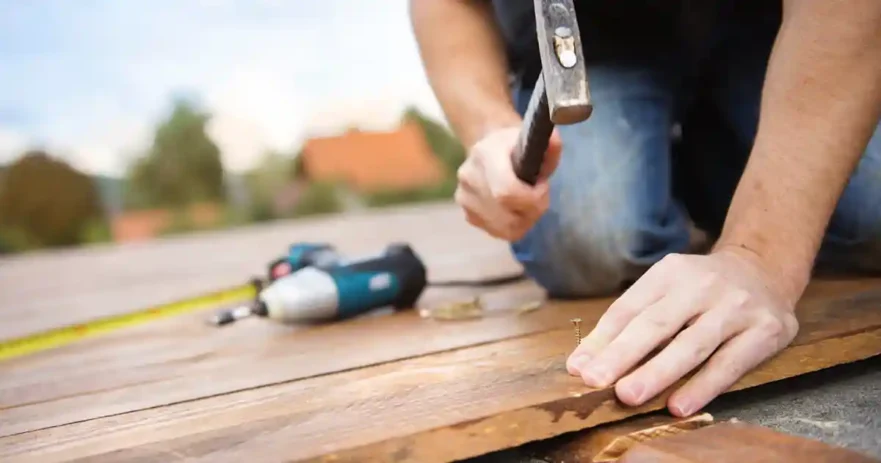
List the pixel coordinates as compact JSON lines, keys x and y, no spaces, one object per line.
{"x":257,"y":389}
{"x":438,"y":407}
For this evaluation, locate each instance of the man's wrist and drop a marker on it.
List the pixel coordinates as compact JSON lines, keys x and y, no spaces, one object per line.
{"x":488,"y":122}
{"x":786,"y":272}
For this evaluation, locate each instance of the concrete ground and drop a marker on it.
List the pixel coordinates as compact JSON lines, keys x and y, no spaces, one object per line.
{"x":840,"y":406}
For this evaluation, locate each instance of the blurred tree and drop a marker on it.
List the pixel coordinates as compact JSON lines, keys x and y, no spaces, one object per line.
{"x":266,"y":180}
{"x":44,"y":202}
{"x":442,"y":142}
{"x":183,"y":165}
{"x":319,"y":198}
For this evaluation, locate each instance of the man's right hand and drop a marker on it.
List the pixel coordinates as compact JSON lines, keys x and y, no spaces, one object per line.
{"x":490,"y":193}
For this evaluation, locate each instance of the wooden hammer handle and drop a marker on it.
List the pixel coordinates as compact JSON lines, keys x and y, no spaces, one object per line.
{"x":529,"y":153}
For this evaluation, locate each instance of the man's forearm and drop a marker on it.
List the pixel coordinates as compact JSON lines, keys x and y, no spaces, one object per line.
{"x":465,"y":63}
{"x":820,"y":104}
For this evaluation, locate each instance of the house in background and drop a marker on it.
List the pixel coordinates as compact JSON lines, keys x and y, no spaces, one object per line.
{"x":144,"y":225}
{"x":368,"y":162}
{"x":365,"y":162}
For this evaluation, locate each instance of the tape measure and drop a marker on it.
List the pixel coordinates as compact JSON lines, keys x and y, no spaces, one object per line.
{"x":17,"y":347}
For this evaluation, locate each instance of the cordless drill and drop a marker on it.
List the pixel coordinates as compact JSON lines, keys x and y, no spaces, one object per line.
{"x":333,"y":290}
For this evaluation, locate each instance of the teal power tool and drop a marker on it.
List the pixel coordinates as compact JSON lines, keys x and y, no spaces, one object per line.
{"x":330,"y":289}
{"x":302,"y":255}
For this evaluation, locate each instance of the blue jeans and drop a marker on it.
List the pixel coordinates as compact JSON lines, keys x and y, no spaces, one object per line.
{"x":664,"y":148}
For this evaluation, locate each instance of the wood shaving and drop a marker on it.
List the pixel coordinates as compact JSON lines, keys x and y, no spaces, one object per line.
{"x":460,"y":310}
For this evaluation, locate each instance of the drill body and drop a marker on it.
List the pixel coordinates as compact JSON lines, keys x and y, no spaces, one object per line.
{"x":333,"y":289}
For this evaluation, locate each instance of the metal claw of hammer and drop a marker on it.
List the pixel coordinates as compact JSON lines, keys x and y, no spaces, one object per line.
{"x":561,"y":94}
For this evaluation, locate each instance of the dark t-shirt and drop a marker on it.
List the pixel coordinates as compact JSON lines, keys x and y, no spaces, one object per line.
{"x":625,"y":29}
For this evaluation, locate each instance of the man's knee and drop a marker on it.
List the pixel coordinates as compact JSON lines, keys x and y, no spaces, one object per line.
{"x":599,"y":236}
{"x":853,"y":239}
{"x":578,"y":258}
{"x":611,"y":214}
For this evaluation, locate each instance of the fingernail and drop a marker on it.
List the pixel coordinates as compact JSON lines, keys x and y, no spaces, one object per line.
{"x":595,"y":375}
{"x":579,"y":361}
{"x":683,"y":408}
{"x":635,"y":391}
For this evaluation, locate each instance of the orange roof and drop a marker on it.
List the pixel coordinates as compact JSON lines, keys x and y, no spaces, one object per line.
{"x":147,"y":224}
{"x":371,"y":161}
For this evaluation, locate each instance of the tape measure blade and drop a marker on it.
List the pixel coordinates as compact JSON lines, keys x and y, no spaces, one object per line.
{"x":57,"y":337}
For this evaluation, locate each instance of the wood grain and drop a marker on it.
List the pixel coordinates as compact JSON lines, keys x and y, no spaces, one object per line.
{"x":739,"y":442}
{"x":441,"y":407}
{"x":183,"y":359}
{"x":607,"y":443}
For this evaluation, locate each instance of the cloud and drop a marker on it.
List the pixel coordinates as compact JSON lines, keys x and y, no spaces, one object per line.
{"x":94,"y":77}
{"x":12,"y":144}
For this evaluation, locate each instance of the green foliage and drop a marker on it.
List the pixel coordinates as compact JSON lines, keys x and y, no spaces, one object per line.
{"x":442,"y":142}
{"x":16,"y":239}
{"x":96,"y":231}
{"x":443,"y":191}
{"x":44,"y":202}
{"x":263,"y":182}
{"x":183,"y":165}
{"x":319,"y":198}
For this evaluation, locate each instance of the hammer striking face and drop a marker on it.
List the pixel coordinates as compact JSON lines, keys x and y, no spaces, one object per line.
{"x":562,"y":60}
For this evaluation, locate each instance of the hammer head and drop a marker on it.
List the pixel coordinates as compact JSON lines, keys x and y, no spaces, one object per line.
{"x":562,"y":59}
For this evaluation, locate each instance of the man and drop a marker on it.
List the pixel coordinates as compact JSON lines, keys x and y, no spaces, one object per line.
{"x":756,"y":121}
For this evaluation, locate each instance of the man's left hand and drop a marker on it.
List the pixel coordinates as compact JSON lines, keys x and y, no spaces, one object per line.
{"x":724,"y":304}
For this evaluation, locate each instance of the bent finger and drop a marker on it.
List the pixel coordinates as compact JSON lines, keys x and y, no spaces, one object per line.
{"x":645,"y":332}
{"x":733,"y":360}
{"x":646,"y":291}
{"x":687,"y":351}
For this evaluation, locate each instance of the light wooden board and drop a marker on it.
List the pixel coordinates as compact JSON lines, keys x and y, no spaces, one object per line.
{"x":50,"y":289}
{"x":439,"y":407}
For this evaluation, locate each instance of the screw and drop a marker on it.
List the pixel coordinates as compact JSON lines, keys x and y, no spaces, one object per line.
{"x":576,"y":322}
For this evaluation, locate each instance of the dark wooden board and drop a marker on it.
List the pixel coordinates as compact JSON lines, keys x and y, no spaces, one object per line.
{"x":439,"y":407}
{"x":185,"y":359}
{"x":607,"y":443}
{"x":736,"y":443}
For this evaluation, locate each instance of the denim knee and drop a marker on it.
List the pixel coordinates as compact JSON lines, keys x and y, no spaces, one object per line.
{"x":853,"y":238}
{"x":611,"y":214}
{"x":572,"y":257}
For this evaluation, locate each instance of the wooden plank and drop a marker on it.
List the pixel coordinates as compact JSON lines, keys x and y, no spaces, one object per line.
{"x":607,"y":443}
{"x":442,"y":407}
{"x":739,"y":442}
{"x":49,"y":289}
{"x":183,"y":359}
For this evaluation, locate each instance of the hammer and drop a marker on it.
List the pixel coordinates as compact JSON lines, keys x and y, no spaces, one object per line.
{"x":561,"y":94}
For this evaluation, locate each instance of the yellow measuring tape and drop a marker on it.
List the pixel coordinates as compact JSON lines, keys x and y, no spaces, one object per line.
{"x":17,"y":347}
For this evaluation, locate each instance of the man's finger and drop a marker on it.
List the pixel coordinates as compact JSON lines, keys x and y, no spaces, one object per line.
{"x":739,"y":355}
{"x":688,"y":349}
{"x":646,"y":291}
{"x":654,"y":325}
{"x":552,"y":155}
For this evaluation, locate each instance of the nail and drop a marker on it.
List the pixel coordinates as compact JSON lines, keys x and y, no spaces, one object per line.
{"x":576,"y":322}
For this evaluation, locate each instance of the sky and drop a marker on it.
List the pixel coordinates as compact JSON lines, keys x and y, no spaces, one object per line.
{"x":88,"y":80}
